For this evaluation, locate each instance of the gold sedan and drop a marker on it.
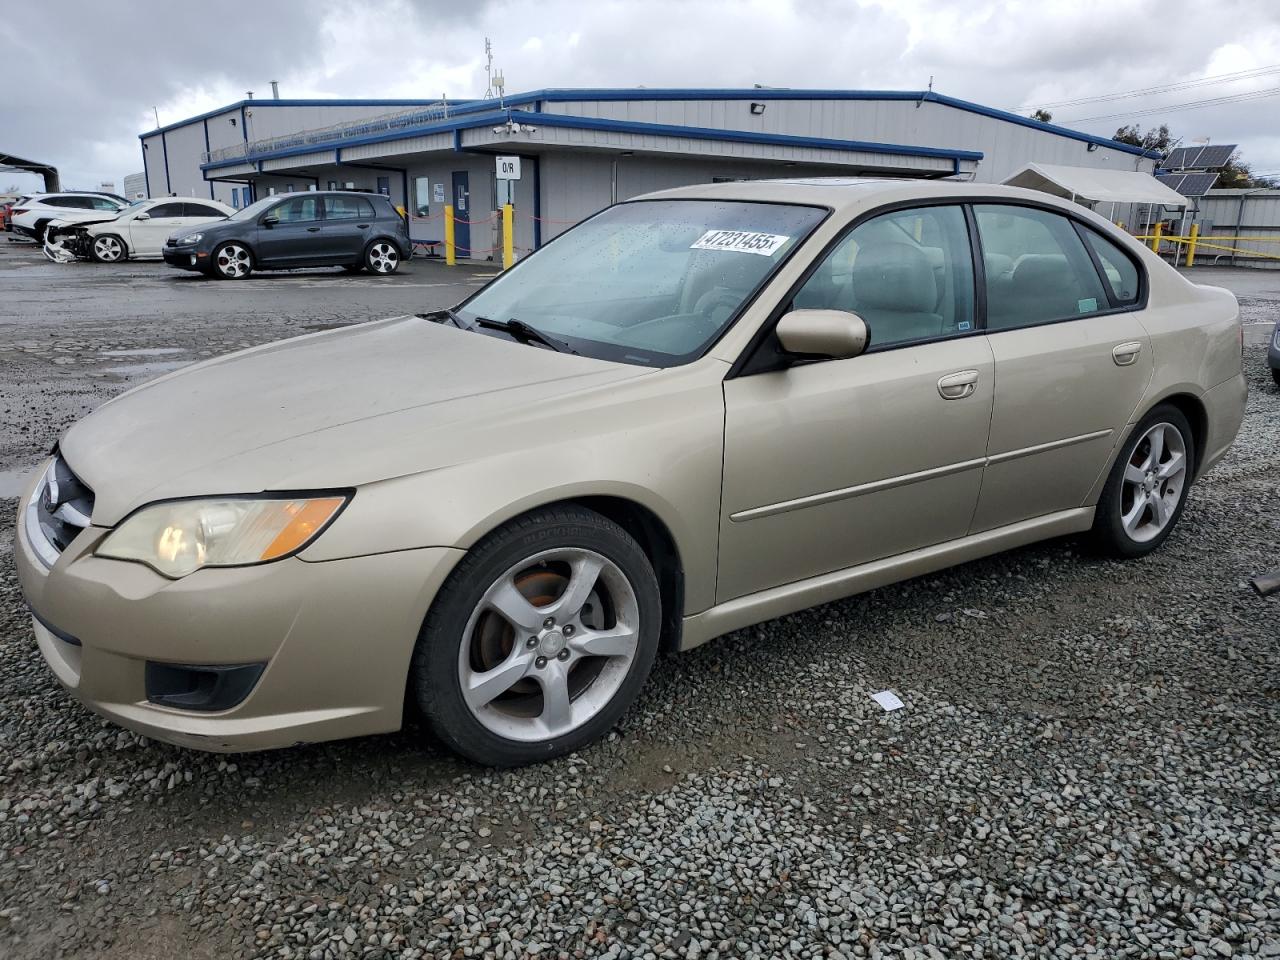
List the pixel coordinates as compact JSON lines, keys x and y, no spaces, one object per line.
{"x":693,"y":412}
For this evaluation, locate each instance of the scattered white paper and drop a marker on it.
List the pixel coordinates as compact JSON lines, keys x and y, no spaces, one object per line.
{"x":887,"y":699}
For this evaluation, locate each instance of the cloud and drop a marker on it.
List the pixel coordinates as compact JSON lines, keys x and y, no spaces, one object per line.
{"x":103,"y":71}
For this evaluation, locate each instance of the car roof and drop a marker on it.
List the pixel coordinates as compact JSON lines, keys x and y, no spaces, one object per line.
{"x":851,"y":193}
{"x":179,"y":199}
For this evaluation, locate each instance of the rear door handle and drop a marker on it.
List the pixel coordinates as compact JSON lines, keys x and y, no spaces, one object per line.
{"x":313,"y":229}
{"x":957,"y":386}
{"x":363,"y":226}
{"x":1126,"y":353}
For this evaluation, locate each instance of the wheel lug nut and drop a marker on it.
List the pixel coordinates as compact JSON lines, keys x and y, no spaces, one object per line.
{"x":563,"y":654}
{"x":540,"y":662}
{"x":531,"y":642}
{"x":549,"y":622}
{"x":568,"y":630}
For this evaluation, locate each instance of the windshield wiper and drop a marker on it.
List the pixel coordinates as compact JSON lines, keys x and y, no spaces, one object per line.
{"x":522,"y":331}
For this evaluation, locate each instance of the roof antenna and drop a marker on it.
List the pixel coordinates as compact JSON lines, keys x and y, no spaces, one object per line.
{"x":924,"y":96}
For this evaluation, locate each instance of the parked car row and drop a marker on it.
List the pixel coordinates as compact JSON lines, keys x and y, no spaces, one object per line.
{"x":356,"y":231}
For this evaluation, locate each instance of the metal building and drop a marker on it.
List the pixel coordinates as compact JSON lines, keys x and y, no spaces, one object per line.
{"x":583,"y":149}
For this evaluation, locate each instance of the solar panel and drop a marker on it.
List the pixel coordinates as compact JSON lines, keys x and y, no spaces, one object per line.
{"x":1189,"y":184}
{"x":1209,"y":157}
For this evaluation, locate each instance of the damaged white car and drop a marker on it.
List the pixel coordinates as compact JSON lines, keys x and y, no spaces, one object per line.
{"x":138,"y":232}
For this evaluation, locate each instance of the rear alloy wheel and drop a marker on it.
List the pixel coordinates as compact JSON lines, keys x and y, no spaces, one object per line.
{"x":540,"y":639}
{"x":382,"y":257}
{"x":1147,"y":489}
{"x":232,"y":261}
{"x":108,"y":249}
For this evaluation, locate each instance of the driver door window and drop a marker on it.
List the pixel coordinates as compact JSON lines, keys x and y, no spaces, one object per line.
{"x":908,"y":274}
{"x":298,"y":210}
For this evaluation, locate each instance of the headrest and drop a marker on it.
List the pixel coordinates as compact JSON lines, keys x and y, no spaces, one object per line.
{"x":1042,"y":269}
{"x":894,"y":276}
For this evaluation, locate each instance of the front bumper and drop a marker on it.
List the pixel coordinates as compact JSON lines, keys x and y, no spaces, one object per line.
{"x":188,"y":257}
{"x":336,"y":639}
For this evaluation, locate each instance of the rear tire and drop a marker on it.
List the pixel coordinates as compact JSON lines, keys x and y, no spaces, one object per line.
{"x":108,"y":248}
{"x":1147,"y":488}
{"x":381,"y":256}
{"x":539,"y":640}
{"x":232,"y":261}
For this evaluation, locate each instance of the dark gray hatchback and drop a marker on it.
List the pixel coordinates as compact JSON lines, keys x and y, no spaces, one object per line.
{"x":357,"y":231}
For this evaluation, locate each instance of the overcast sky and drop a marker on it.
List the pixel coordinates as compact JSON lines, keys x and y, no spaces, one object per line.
{"x":79,"y":87}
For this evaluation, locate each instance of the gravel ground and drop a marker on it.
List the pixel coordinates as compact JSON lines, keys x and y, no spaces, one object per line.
{"x":1087,"y":764}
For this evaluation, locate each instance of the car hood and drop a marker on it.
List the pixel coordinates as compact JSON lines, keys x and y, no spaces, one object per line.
{"x":337,"y":409}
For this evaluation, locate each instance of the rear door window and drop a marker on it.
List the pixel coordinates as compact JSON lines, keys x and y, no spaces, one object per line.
{"x":200,"y":210}
{"x":348,"y":208}
{"x":1037,"y":268}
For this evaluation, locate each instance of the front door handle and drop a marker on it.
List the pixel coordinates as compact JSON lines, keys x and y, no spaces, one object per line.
{"x":1126,"y":353}
{"x":313,"y":229}
{"x":363,"y":226}
{"x":957,"y":386}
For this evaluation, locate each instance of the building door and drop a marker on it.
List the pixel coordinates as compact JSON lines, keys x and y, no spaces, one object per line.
{"x":384,"y":186}
{"x":462,"y":212}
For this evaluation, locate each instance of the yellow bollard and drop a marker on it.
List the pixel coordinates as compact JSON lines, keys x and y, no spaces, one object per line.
{"x":508,"y":237}
{"x":450,"y":248}
{"x":1155,"y":237}
{"x":1191,"y":247}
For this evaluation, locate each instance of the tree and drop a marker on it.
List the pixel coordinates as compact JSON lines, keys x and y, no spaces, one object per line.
{"x":1043,"y":115}
{"x":1157,"y":138}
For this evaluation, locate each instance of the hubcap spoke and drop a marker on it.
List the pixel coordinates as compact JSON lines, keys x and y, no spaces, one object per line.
{"x":586,"y":571}
{"x":1171,"y":468}
{"x":1156,"y":440}
{"x":482,"y":688}
{"x":1159,"y":509}
{"x":1131,"y":519}
{"x":513,"y":606}
{"x":557,"y":710}
{"x":1134,"y":474}
{"x":620,"y":641}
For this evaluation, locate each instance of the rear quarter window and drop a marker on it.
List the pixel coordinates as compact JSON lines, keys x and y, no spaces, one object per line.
{"x":1118,"y":268}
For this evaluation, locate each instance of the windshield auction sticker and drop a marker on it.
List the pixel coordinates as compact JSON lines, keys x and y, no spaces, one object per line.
{"x":740,"y":241}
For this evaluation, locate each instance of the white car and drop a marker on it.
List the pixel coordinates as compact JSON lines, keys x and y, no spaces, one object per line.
{"x":33,"y":215}
{"x":137,"y":233}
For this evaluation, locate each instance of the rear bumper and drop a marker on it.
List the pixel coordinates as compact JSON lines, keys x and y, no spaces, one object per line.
{"x":335,"y":639}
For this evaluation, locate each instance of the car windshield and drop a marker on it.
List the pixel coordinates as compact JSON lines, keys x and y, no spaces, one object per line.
{"x":255,"y":208}
{"x":651,"y":282}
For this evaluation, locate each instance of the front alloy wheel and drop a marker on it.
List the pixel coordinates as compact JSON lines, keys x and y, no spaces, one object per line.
{"x":382,"y":257}
{"x":108,"y":249}
{"x":539,"y":640}
{"x":232,"y":261}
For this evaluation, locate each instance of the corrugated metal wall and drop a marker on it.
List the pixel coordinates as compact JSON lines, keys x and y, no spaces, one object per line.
{"x":1250,"y":213}
{"x":1008,"y":146}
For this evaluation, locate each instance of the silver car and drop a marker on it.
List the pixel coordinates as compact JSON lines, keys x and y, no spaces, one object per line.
{"x":693,"y":412}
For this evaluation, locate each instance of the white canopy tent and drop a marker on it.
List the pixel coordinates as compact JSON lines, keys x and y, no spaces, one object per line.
{"x":1090,"y":185}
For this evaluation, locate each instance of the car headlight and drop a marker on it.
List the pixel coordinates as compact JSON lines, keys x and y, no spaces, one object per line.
{"x":179,"y":537}
{"x":192,"y":238}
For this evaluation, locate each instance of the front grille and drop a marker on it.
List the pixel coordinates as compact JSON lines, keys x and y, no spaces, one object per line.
{"x":58,"y":510}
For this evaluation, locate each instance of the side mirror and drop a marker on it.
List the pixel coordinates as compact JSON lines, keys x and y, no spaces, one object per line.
{"x":829,"y":334}
{"x":270,"y":220}
{"x":143,"y":216}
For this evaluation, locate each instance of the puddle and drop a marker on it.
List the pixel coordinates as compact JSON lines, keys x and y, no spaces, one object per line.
{"x":154,"y":367}
{"x":143,"y":352}
{"x":13,"y":482}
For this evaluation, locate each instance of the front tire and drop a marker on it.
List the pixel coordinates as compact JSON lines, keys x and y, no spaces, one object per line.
{"x":1147,"y":489}
{"x":232,"y":261}
{"x":1275,"y":375}
{"x":108,"y":248}
{"x":381,"y":256}
{"x":539,"y":640}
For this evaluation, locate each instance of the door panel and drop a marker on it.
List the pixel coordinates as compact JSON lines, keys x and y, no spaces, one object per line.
{"x":297,"y":238}
{"x":889,"y":464}
{"x":1058,"y":384}
{"x":347,"y":225}
{"x":147,"y":237}
{"x":462,"y":212}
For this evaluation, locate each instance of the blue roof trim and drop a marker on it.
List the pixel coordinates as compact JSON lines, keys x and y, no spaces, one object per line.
{"x":564,"y":95}
{"x":616,"y":126}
